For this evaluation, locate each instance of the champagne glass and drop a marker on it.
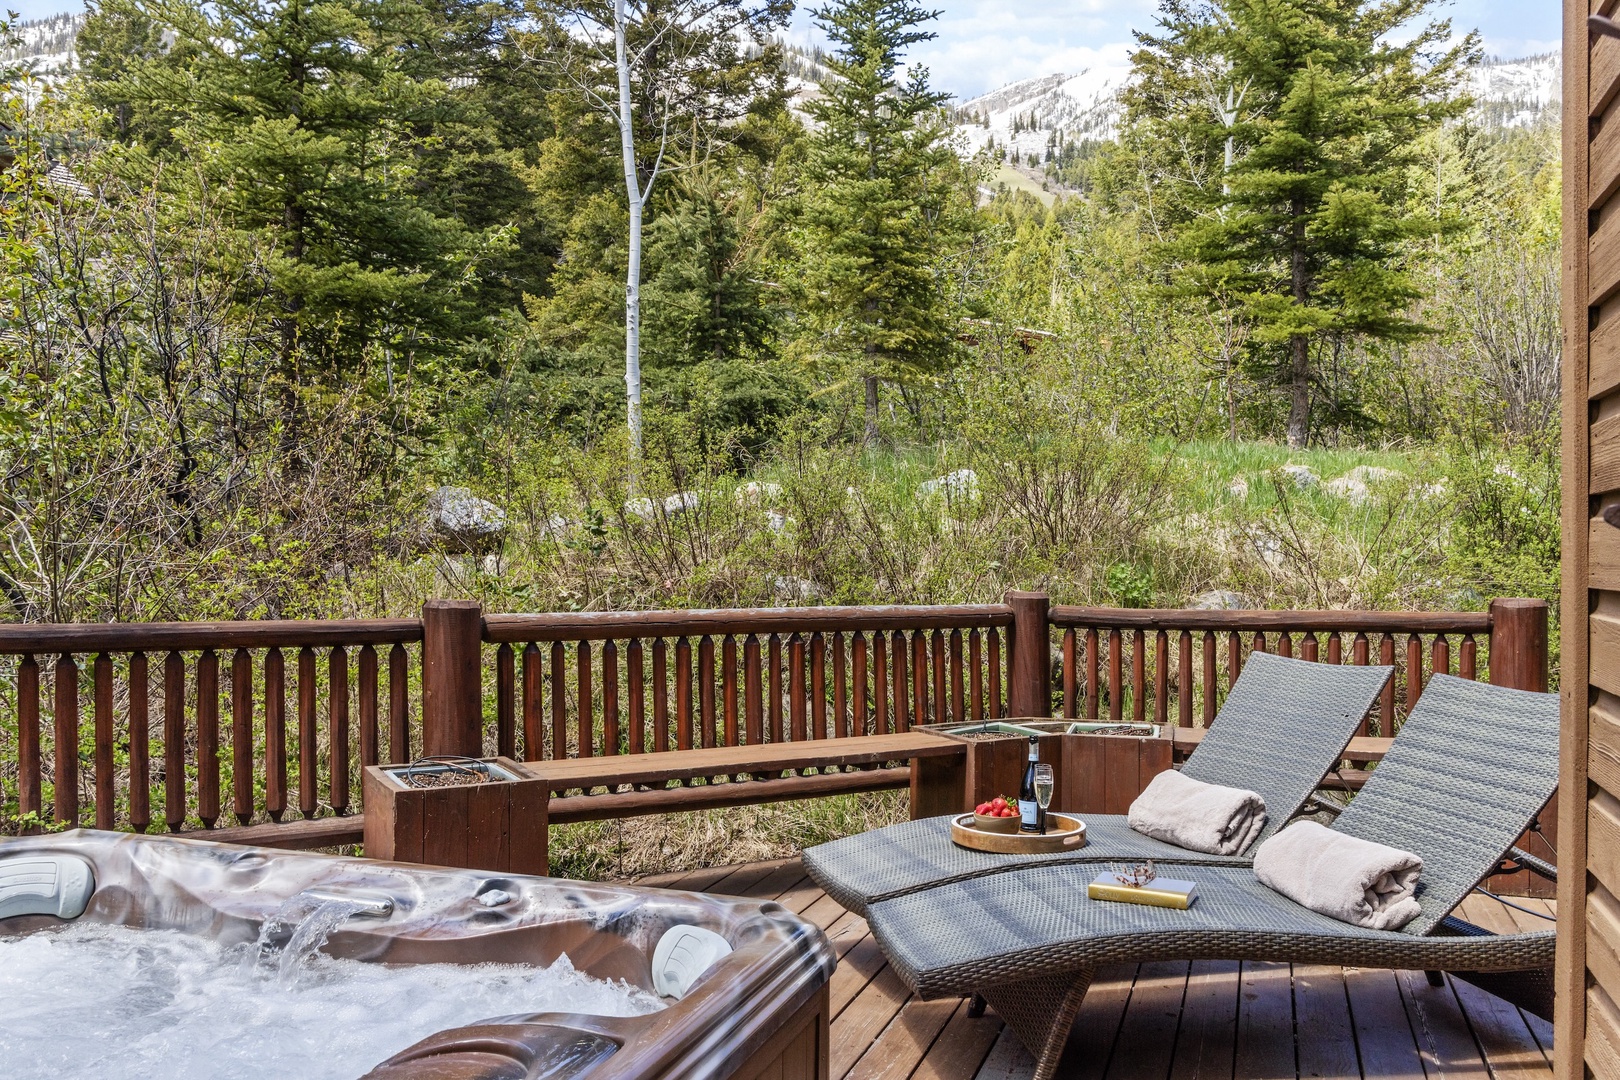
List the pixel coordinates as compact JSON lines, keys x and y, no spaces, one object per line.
{"x":1043,"y":790}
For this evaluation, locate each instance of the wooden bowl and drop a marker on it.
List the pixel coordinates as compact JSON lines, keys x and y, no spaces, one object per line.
{"x":990,"y":823}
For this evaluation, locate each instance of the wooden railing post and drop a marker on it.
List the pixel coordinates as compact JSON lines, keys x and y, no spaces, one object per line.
{"x":1030,"y":672}
{"x":452,"y":699}
{"x":1519,"y":644}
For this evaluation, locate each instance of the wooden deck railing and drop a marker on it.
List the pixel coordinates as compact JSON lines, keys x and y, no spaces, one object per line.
{"x":256,"y":719}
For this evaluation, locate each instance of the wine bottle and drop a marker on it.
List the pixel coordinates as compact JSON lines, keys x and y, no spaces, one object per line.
{"x":1029,"y":810}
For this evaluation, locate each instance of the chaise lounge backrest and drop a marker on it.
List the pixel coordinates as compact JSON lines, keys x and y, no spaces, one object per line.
{"x":1472,"y":766}
{"x":1279,"y":713}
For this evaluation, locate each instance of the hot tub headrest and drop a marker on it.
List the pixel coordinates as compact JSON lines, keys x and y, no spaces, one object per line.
{"x":682,"y":955}
{"x":59,"y":885}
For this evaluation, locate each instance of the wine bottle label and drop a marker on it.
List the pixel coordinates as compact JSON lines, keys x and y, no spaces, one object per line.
{"x":1030,"y":811}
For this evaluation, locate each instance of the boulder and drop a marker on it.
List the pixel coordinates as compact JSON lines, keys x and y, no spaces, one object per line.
{"x":759,"y":493}
{"x":795,"y":588}
{"x":960,"y":484}
{"x":682,"y":502}
{"x":1221,"y":600}
{"x":1302,"y":476}
{"x":461,"y":522}
{"x":639,"y":507}
{"x":1238,"y":488}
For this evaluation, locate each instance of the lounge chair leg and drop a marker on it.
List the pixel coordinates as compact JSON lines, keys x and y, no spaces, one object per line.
{"x":1436,"y":978}
{"x":976,"y":1006}
{"x":1041,"y":1012}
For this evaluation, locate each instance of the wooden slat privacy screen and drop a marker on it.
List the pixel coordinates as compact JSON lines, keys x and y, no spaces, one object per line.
{"x":1587,"y":1039}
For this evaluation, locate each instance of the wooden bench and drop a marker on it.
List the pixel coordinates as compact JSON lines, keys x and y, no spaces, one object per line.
{"x":862,"y":761}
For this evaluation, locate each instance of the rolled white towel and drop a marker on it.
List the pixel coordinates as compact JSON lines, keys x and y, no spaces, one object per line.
{"x":1350,"y":879}
{"x":1201,"y":817}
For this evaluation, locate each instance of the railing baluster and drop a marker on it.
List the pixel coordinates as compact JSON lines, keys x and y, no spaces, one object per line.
{"x":1414,"y":671}
{"x":958,"y":711}
{"x":753,"y":693}
{"x":534,"y":740}
{"x":1358,"y":657}
{"x":919,"y":679}
{"x":559,"y":703}
{"x":1440,"y":655}
{"x":796,"y":691}
{"x":399,"y":713}
{"x":366,"y":694}
{"x":610,"y":698}
{"x":140,"y":744}
{"x":1184,"y":679}
{"x":818,"y":686}
{"x":505,"y":702}
{"x":1234,"y":658}
{"x":976,"y":675}
{"x":337,"y":706}
{"x":275,"y":729}
{"x":1138,"y":677}
{"x":728,"y":686}
{"x":706,"y":689}
{"x":994,"y":648}
{"x":880,"y":683}
{"x":773,"y":689}
{"x":242,"y":734}
{"x":633,"y":667}
{"x":1386,"y":701}
{"x":586,"y":706}
{"x":1093,"y":668}
{"x":858,"y":719}
{"x":1307,"y":645}
{"x":208,"y":738}
{"x":1116,"y":676}
{"x":66,"y":735}
{"x":840,"y":688}
{"x":306,"y":732}
{"x":937,"y":646}
{"x":105,"y":793}
{"x":1285,"y":644}
{"x":897,"y":647}
{"x":1335,"y":648}
{"x":1161,"y":678}
{"x":28,"y":757}
{"x":660,"y":667}
{"x":683,"y":694}
{"x":1259,"y":642}
{"x":174,"y":741}
{"x":1071,"y":677}
{"x":1211,"y":686}
{"x":1467,"y":657}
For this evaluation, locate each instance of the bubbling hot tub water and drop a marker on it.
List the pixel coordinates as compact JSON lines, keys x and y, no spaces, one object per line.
{"x":134,"y":1004}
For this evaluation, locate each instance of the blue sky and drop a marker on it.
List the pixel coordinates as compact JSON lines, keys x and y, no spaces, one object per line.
{"x":984,"y":44}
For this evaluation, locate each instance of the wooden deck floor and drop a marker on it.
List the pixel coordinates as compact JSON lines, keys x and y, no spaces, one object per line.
{"x":1168,"y":1020}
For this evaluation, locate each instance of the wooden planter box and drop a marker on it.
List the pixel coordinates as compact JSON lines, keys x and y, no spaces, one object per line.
{"x":1093,"y":774}
{"x":498,"y":825}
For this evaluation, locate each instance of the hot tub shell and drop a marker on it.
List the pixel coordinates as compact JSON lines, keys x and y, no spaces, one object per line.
{"x":763,"y":1009}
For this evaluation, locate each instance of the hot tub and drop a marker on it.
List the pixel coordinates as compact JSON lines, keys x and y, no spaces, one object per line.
{"x":759,"y":1008}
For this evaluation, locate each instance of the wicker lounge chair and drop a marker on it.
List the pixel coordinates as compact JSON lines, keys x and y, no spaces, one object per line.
{"x":1469,"y":771}
{"x":1284,"y":724}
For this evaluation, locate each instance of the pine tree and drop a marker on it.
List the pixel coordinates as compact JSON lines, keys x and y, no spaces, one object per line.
{"x":1283,"y":135}
{"x":884,"y":196}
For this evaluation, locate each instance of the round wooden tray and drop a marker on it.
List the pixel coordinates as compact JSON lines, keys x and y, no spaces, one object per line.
{"x":1063,"y":833}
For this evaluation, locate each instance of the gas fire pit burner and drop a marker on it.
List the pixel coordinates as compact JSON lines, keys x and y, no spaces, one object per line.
{"x":445,"y":771}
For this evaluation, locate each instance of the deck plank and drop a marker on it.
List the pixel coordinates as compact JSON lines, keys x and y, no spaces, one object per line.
{"x":961,"y":1048}
{"x":1500,"y":1029}
{"x":1383,"y":1029}
{"x":1265,"y":1040}
{"x":1096,"y":1028}
{"x":1326,"y":1035}
{"x":898,"y":1051}
{"x":1208,"y":1036}
{"x":1443,"y":1036}
{"x":1008,"y":1060}
{"x":857,"y":1027}
{"x":858,"y":967}
{"x":1147,"y":1032}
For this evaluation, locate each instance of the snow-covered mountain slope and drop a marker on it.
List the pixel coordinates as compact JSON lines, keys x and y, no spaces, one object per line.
{"x":1512,"y":93}
{"x":1034,"y":115}
{"x":45,"y":45}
